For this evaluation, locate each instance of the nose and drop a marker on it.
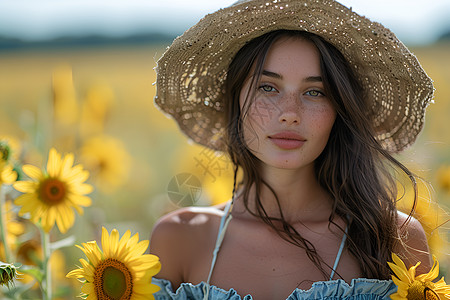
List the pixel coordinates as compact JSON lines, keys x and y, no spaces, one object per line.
{"x":289,"y":110}
{"x":289,"y":117}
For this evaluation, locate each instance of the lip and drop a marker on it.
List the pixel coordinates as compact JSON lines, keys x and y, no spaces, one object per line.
{"x":287,"y":140}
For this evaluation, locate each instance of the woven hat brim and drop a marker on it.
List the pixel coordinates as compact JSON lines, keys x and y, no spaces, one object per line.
{"x":192,"y":72}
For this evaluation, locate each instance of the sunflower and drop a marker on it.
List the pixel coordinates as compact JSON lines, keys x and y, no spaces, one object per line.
{"x":30,"y":253}
{"x":10,"y":148}
{"x":13,"y":228}
{"x":51,"y":195}
{"x":121,"y":271}
{"x":64,"y":96}
{"x":95,"y":109}
{"x":8,"y":273}
{"x":443,"y":175}
{"x":418,"y":287}
{"x":7,"y":174}
{"x":108,"y":161}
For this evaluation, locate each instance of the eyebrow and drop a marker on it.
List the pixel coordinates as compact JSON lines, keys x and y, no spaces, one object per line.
{"x":278,"y":76}
{"x":271,"y":74}
{"x":313,"y":79}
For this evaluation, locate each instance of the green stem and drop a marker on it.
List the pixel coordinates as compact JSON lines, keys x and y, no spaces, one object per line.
{"x":47,"y":280}
{"x":3,"y":224}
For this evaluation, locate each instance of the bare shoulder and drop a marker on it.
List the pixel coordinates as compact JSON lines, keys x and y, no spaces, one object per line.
{"x":178,"y":236}
{"x":414,"y":245}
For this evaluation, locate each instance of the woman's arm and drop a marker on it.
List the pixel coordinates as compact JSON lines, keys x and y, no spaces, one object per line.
{"x":414,"y":244}
{"x":168,"y":242}
{"x":182,"y":240}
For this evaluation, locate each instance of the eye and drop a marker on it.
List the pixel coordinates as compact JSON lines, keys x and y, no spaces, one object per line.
{"x":267,"y":88}
{"x":314,"y":93}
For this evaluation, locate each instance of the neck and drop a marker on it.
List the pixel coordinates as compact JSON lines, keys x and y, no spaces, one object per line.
{"x":300,"y":196}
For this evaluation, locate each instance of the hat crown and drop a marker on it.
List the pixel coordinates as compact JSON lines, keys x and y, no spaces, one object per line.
{"x":191,"y":74}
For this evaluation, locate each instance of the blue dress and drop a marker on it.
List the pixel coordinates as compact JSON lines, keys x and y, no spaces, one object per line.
{"x":358,"y":289}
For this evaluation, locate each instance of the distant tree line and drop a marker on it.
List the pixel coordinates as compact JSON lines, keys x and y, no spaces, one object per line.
{"x":7,"y":43}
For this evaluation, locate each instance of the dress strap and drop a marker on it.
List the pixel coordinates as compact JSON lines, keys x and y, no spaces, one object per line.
{"x":226,"y":218}
{"x":338,"y":256}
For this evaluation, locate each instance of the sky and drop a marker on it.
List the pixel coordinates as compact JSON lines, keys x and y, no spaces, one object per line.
{"x":413,"y":21}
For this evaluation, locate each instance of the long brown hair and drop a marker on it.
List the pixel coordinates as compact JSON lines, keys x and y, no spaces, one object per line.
{"x":353,"y":168}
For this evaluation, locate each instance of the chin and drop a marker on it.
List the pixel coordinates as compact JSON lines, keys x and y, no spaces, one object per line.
{"x":288,"y":163}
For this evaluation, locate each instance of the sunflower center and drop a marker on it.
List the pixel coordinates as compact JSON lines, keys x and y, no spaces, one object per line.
{"x":53,"y":191}
{"x":113,"y":280}
{"x":421,"y":290}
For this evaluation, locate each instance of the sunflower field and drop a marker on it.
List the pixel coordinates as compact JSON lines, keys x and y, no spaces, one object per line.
{"x":86,"y":156}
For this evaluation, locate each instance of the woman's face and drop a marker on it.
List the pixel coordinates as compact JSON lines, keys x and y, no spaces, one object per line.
{"x":289,"y":116}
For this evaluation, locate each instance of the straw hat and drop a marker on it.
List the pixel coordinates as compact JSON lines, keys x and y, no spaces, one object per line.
{"x":191,"y":73}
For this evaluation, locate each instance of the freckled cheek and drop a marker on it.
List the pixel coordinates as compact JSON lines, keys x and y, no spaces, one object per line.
{"x":322,"y":119}
{"x":262,"y":112}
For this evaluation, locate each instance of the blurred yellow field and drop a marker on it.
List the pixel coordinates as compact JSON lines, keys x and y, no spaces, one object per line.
{"x":143,"y":150}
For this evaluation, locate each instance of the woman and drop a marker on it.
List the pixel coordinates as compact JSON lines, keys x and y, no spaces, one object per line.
{"x":309,"y":100}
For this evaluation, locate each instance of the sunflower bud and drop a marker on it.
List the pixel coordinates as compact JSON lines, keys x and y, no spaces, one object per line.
{"x":8,"y":273}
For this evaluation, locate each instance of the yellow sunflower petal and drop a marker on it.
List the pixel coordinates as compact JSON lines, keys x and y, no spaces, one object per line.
{"x":154,"y":288}
{"x":65,"y":218}
{"x":90,"y":256}
{"x":33,"y":172}
{"x":113,"y":242}
{"x":78,"y":175}
{"x":144,"y":287}
{"x":122,"y":246}
{"x":25,"y":201}
{"x":84,"y":189}
{"x":47,"y":226}
{"x":77,"y":273}
{"x":92,"y":253}
{"x":81,"y":200}
{"x":133,"y":241}
{"x":124,"y":239}
{"x":401,"y":285}
{"x":8,"y":175}
{"x":396,"y":296}
{"x":70,"y":215}
{"x":412,"y":270}
{"x":66,"y":165}
{"x":51,"y":216}
{"x":105,"y":242}
{"x":153,"y":265}
{"x":25,"y":186}
{"x":88,"y":288}
{"x":91,"y":297}
{"x":441,"y":287}
{"x":148,"y":259}
{"x":47,"y":219}
{"x":142,"y":297}
{"x":146,"y":296}
{"x":139,"y":249}
{"x":37,"y":214}
{"x":53,"y":163}
{"x":434,"y":272}
{"x":88,"y":271}
{"x":401,"y":273}
{"x":398,"y":261}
